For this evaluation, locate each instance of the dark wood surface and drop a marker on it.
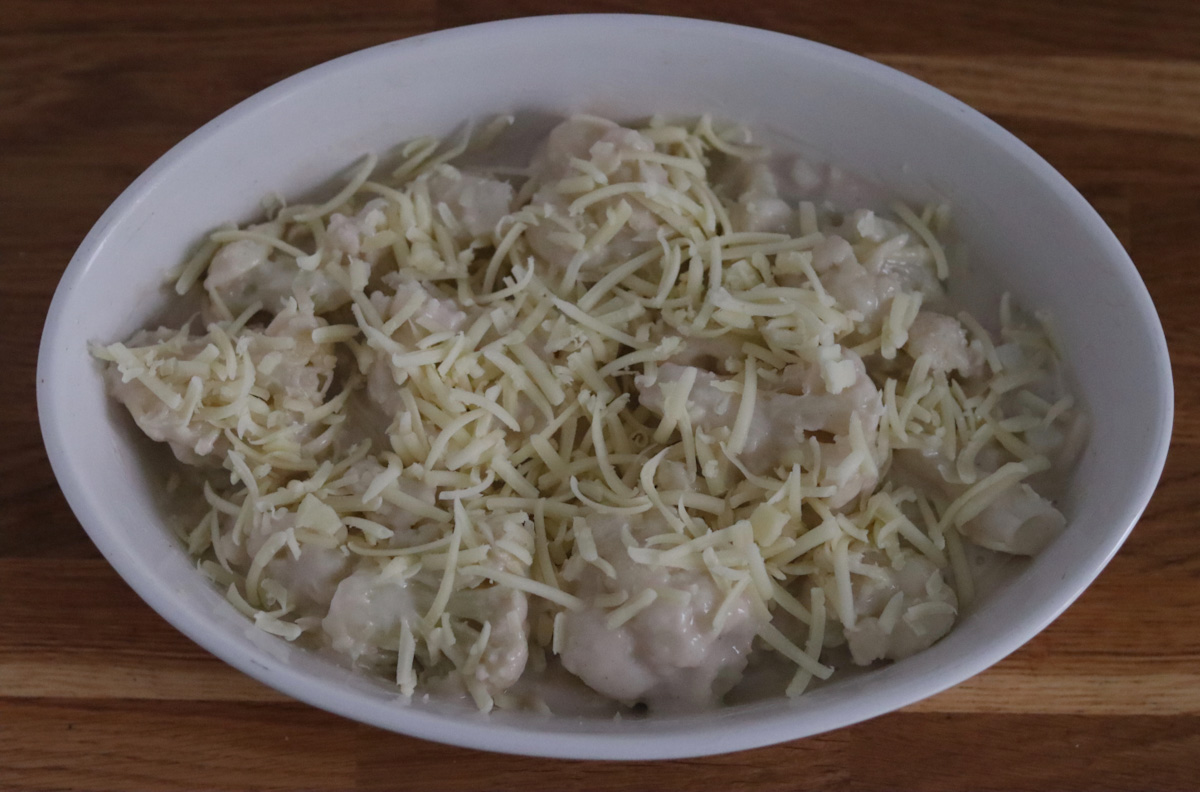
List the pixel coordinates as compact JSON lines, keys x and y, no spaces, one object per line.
{"x":97,"y":692}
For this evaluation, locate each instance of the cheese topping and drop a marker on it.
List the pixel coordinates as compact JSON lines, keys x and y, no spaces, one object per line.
{"x":642,"y":414}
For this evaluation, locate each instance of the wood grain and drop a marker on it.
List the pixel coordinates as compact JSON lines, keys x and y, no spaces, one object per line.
{"x":1143,"y":96}
{"x":97,"y":692}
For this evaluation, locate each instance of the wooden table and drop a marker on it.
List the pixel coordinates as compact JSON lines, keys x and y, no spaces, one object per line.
{"x":97,"y":692}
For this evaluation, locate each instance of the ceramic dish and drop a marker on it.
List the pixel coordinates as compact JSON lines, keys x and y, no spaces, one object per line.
{"x":1024,"y":227}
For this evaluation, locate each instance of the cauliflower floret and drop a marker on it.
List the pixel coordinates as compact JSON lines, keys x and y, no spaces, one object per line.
{"x":560,"y":237}
{"x":300,"y":368}
{"x":867,"y":276}
{"x":382,"y":388}
{"x":345,"y":234}
{"x":476,"y":203}
{"x":906,"y":609}
{"x":435,"y":315}
{"x":1018,"y":521}
{"x":857,"y":289}
{"x":711,"y":354}
{"x":286,"y":362}
{"x":759,"y":207}
{"x":406,"y":526}
{"x":245,"y":271}
{"x":781,"y":418}
{"x":711,"y":402}
{"x":575,"y":139}
{"x":241,"y":272}
{"x":309,"y":580}
{"x":668,"y":656}
{"x":372,"y":605}
{"x":832,"y":252}
{"x":944,"y":340}
{"x":366,"y":614}
{"x":818,"y":409}
{"x":192,"y":441}
{"x":507,"y":613}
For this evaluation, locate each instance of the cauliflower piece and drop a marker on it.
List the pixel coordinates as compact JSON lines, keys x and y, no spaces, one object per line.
{"x":299,"y":370}
{"x":559,"y":239}
{"x":944,"y":340}
{"x":858,"y":289}
{"x":244,"y":272}
{"x":759,"y":207}
{"x":370,"y":607}
{"x":345,"y":234}
{"x":816,"y":408}
{"x":476,"y":203}
{"x":366,"y":614}
{"x":802,"y":404}
{"x":435,"y":315}
{"x":1018,"y":521}
{"x":407,"y":528}
{"x":711,"y":402}
{"x":904,"y":611}
{"x":310,"y":579}
{"x":507,"y":613}
{"x":865,"y":277}
{"x":382,"y":388}
{"x":193,"y":441}
{"x":576,"y":138}
{"x":303,"y":369}
{"x":711,"y":354}
{"x":668,"y":656}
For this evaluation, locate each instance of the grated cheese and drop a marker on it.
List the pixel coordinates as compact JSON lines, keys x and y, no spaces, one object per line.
{"x":615,"y":346}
